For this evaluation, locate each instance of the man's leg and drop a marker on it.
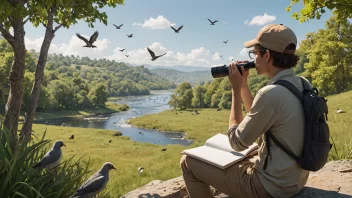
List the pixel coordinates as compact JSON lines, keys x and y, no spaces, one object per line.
{"x":237,"y":180}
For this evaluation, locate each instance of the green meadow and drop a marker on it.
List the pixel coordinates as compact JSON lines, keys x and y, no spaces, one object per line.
{"x":128,"y":155}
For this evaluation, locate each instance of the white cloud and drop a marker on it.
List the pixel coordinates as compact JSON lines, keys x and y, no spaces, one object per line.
{"x":216,"y":56}
{"x":74,"y":47}
{"x":261,"y":20}
{"x":155,"y":23}
{"x":198,"y":57}
{"x":243,"y":52}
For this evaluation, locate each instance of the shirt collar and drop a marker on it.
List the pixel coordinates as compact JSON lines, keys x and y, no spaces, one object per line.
{"x":281,"y":74}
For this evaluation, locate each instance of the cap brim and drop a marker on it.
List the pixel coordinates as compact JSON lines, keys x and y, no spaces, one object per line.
{"x":251,"y":43}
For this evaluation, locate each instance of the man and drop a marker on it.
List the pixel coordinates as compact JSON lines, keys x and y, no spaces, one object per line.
{"x":274,"y":108}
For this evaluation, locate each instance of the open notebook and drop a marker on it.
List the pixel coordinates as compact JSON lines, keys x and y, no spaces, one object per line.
{"x":218,"y":152}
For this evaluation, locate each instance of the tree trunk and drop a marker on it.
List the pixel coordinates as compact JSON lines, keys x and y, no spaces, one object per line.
{"x":39,"y":73}
{"x":14,"y":102}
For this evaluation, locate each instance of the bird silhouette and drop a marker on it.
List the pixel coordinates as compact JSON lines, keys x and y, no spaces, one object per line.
{"x":72,"y":137}
{"x":127,"y":55}
{"x":110,"y":141}
{"x":177,"y":30}
{"x":121,"y":50}
{"x":212,"y":22}
{"x":118,"y":27}
{"x":225,"y":41}
{"x":130,"y":36}
{"x":164,"y":149}
{"x":92,"y":39}
{"x":153,"y":54}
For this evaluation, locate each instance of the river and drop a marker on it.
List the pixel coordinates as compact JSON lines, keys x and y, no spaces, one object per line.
{"x":139,"y":106}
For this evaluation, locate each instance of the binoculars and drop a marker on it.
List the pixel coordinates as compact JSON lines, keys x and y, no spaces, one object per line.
{"x":222,"y":70}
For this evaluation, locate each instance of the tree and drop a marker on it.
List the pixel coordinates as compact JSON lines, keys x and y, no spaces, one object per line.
{"x":226,"y":100}
{"x":98,"y":95}
{"x":198,"y":96}
{"x":315,"y":8}
{"x":64,"y":14}
{"x":330,"y":57}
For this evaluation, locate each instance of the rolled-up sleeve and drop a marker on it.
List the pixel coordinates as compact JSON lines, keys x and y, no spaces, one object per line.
{"x":259,"y":119}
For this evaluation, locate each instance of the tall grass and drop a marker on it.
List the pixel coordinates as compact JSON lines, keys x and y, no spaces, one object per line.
{"x":19,"y":179}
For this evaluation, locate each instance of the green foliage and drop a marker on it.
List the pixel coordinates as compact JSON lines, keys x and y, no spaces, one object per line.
{"x":316,"y":8}
{"x":19,"y":179}
{"x":327,"y":57}
{"x":68,"y":81}
{"x":98,"y":95}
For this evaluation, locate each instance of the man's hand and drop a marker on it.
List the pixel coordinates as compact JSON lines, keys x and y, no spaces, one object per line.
{"x":235,"y":76}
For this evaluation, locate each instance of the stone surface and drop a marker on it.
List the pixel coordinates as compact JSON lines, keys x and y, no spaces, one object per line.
{"x":334,"y":180}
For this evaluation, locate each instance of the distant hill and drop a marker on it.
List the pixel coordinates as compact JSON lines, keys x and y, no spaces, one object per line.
{"x":178,"y":77}
{"x":179,"y":68}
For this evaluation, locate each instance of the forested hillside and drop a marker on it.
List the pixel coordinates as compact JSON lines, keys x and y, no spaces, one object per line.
{"x":73,"y":82}
{"x":177,"y":77}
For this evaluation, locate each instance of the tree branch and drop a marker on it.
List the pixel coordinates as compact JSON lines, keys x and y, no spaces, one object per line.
{"x":6,"y":34}
{"x":57,"y":27}
{"x":44,"y":25}
{"x":27,"y":19}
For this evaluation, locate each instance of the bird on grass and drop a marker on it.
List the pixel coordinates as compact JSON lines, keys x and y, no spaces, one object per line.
{"x":140,"y":169}
{"x":96,"y":183}
{"x":152,"y":54}
{"x":118,"y":26}
{"x":92,"y":39}
{"x":72,"y":137}
{"x":212,"y":22}
{"x":164,"y":149}
{"x":178,"y":29}
{"x":110,"y":141}
{"x":52,"y":158}
{"x":340,"y":111}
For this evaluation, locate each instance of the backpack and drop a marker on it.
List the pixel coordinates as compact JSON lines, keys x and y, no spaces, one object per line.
{"x":316,"y":136}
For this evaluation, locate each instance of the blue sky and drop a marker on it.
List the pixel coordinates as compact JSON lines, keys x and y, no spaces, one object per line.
{"x":197,"y":44}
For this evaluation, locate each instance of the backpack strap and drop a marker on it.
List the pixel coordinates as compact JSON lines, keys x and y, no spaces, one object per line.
{"x":291,"y":87}
{"x":305,"y":84}
{"x":269,"y":135}
{"x":279,"y":144}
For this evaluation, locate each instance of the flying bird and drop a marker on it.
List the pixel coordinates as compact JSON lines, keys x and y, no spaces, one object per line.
{"x":225,"y":41}
{"x":130,"y":36}
{"x":92,"y":39}
{"x":127,"y":55}
{"x":340,"y":111}
{"x":96,"y":183}
{"x":153,"y":54}
{"x":121,"y":50}
{"x":140,"y":169}
{"x":118,"y":27}
{"x":212,"y":22}
{"x":72,"y":137}
{"x":164,"y":149}
{"x":177,"y":30}
{"x":52,"y":158}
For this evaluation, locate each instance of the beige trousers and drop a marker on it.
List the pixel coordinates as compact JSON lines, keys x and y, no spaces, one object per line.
{"x":239,"y":180}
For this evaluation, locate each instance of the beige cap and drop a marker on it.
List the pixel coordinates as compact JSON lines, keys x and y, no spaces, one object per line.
{"x":275,"y":37}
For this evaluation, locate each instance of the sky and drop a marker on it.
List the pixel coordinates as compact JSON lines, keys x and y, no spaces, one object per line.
{"x":197,"y":44}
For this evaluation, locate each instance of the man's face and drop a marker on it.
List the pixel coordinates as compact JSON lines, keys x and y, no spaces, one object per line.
{"x":260,"y":62}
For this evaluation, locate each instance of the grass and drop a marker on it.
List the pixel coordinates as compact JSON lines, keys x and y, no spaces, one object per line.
{"x":128,"y":155}
{"x":110,"y":107}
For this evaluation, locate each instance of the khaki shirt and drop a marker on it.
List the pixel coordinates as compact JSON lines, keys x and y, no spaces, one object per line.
{"x":276,"y":108}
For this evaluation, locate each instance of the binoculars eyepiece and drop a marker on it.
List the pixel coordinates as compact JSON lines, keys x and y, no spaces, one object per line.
{"x":222,"y":70}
